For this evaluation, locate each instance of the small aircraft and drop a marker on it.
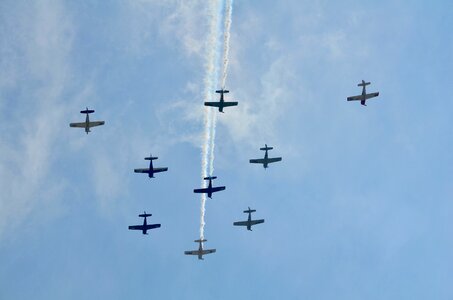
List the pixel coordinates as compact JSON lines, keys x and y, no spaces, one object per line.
{"x":266,"y":160}
{"x":87,"y":124}
{"x":200,"y":252}
{"x":249,"y":223}
{"x":151,"y":170}
{"x":145,"y":227}
{"x":364,"y":96}
{"x":222,"y":103}
{"x":209,"y":190}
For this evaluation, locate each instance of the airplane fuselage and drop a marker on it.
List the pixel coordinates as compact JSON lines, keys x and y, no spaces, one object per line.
{"x":144,"y":231}
{"x":87,"y":123}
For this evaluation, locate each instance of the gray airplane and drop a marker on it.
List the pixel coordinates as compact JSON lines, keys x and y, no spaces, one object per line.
{"x":266,"y":160}
{"x":200,"y":252}
{"x":87,"y":124}
{"x":364,"y":96}
{"x":249,"y":223}
{"x":222,"y":103}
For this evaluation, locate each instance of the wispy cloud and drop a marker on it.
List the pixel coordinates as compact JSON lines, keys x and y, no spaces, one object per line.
{"x":37,"y":38}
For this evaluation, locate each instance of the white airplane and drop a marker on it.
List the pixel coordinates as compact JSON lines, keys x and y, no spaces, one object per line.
{"x":151,"y":170}
{"x":200,"y":252}
{"x":249,"y":223}
{"x":87,"y":124}
{"x":222,"y":103}
{"x":364,"y":96}
{"x":266,"y":160}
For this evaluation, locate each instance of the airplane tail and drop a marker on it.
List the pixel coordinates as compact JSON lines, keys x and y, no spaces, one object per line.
{"x":249,"y":210}
{"x":266,"y":148}
{"x":144,"y":215}
{"x":222,"y":91}
{"x":210,"y":177}
{"x":363,"y":83}
{"x":151,"y":157}
{"x":87,"y":111}
{"x":200,"y":241}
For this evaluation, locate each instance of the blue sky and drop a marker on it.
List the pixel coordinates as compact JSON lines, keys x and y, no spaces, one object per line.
{"x":359,"y":208}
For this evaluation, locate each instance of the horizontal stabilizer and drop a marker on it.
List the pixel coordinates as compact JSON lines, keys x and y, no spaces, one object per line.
{"x":145,"y":215}
{"x":222,"y":91}
{"x":266,"y":148}
{"x":87,"y":111}
{"x":363,"y":83}
{"x":200,"y":241}
{"x":210,"y":177}
{"x":249,"y":210}
{"x":151,"y":158}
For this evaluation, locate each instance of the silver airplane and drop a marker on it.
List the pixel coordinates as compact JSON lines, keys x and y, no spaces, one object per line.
{"x":221,"y":103}
{"x":249,"y":223}
{"x":266,"y":160}
{"x":200,"y":252}
{"x":364,"y":96}
{"x":87,"y":124}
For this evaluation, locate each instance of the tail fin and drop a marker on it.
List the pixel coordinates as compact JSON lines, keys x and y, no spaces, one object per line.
{"x":144,"y":215}
{"x":222,"y":91}
{"x":210,"y":177}
{"x":87,"y":111}
{"x":200,"y":241}
{"x":266,"y":148}
{"x":364,"y":83}
{"x":151,"y":157}
{"x":249,"y":210}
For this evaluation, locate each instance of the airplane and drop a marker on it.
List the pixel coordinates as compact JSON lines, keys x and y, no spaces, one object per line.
{"x":222,"y":103}
{"x":145,"y":227}
{"x":151,"y":170}
{"x":266,"y":160}
{"x":209,"y":190}
{"x":200,"y":252}
{"x":249,"y":223}
{"x":364,"y":96}
{"x":87,"y":124}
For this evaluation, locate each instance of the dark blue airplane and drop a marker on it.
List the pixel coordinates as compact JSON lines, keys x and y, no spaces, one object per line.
{"x":145,"y":227}
{"x":209,"y":190}
{"x":151,"y":170}
{"x":266,"y":160}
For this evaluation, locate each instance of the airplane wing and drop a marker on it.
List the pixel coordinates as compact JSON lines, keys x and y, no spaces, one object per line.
{"x":241,"y":223}
{"x":257,"y":161}
{"x":136,"y":227}
{"x":274,"y":159}
{"x":207,"y":251}
{"x":157,"y":170}
{"x":141,"y":170}
{"x":195,"y":252}
{"x":254,"y":222}
{"x":151,"y":226}
{"x":355,"y":98}
{"x":371,"y":95}
{"x":226,"y":104}
{"x":218,"y":188}
{"x":95,"y":123}
{"x":214,"y":104}
{"x":200,"y":191}
{"x":79,"y":125}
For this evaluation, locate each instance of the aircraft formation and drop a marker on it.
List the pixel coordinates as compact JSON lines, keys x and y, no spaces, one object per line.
{"x":209,"y":189}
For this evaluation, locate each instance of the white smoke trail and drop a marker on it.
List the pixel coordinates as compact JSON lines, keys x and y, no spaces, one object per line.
{"x":226,"y":41}
{"x":226,"y":50}
{"x":209,"y":82}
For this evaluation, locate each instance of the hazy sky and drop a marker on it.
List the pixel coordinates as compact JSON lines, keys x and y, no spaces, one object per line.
{"x":359,"y":208}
